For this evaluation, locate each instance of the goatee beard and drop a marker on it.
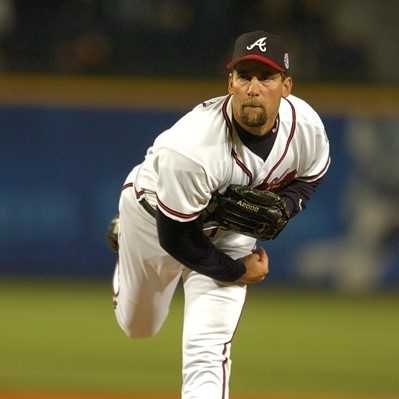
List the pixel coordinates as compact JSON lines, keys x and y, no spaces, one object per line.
{"x":255,"y":119}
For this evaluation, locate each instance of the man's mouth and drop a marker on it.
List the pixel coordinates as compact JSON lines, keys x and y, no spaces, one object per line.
{"x":252,"y":106}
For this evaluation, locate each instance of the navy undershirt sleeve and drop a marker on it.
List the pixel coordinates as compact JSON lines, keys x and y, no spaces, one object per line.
{"x":296,"y":194}
{"x":186,"y":242}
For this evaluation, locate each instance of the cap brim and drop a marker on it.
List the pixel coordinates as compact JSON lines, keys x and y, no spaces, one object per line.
{"x":259,"y":58}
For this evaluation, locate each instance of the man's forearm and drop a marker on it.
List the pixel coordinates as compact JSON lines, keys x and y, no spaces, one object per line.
{"x":186,"y":242}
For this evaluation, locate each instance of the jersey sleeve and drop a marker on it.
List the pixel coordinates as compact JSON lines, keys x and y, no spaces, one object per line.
{"x":318,"y":157}
{"x":182,"y":189}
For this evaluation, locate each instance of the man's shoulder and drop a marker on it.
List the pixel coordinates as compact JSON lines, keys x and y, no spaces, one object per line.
{"x":201,"y":131}
{"x":212,"y":103}
{"x":206,"y":117}
{"x":303,"y":112}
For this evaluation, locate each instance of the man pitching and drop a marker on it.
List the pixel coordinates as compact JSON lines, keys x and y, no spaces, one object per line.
{"x":249,"y":161}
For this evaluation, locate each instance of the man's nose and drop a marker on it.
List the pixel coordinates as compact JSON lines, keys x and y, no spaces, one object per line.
{"x":253,"y":87}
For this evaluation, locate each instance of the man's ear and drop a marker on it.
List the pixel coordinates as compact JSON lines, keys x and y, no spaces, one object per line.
{"x":287,"y":86}
{"x":230,"y":83}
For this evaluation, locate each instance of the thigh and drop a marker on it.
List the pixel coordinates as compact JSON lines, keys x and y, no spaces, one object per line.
{"x":234,"y":244}
{"x":146,"y":276}
{"x":212,"y":309}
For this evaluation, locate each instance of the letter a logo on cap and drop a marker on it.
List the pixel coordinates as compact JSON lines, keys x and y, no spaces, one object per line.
{"x":261,"y":43}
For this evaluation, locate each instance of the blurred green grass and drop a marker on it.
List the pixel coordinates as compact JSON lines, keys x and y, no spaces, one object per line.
{"x":62,"y":335}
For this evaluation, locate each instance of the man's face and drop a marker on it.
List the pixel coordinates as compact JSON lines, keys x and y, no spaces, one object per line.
{"x":256,"y":91}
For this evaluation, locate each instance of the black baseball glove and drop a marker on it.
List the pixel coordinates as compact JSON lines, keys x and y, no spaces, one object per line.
{"x":255,"y":213}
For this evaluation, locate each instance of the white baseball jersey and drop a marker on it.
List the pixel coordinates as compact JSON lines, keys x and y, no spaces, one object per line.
{"x":202,"y":154}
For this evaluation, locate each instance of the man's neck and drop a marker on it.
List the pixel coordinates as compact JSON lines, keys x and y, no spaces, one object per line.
{"x":259,"y":145}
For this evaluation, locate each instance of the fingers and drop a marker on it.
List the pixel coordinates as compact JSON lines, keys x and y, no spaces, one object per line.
{"x":253,"y":280}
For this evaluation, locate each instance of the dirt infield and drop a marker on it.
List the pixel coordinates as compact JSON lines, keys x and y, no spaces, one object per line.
{"x":85,"y":395}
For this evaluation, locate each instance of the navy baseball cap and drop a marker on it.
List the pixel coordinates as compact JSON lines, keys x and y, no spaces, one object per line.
{"x":261,"y":46}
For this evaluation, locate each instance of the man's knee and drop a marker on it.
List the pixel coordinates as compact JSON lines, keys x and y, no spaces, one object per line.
{"x":134,"y":329}
{"x":141,"y":332}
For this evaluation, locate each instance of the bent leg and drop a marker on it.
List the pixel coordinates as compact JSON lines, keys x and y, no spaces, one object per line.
{"x":145,"y":277}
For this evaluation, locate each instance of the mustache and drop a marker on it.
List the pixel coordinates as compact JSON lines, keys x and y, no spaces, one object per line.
{"x":252,"y":104}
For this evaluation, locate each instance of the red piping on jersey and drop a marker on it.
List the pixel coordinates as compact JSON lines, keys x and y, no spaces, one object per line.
{"x":176,"y":213}
{"x":138,"y":193}
{"x":233,"y":153}
{"x":288,"y":141}
{"x":242,"y":166}
{"x":127,"y":185}
{"x":319,"y":175}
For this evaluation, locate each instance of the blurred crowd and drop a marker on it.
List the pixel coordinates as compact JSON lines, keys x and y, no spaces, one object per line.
{"x":344,"y":40}
{"x":366,"y":254}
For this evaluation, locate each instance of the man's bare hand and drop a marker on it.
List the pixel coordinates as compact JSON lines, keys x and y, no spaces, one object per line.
{"x":257,"y":265}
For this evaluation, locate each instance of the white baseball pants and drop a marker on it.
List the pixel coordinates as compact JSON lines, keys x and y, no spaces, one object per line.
{"x":144,"y":282}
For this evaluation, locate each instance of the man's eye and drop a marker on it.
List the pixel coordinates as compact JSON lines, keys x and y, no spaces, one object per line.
{"x":266,"y":77}
{"x":244,"y":76}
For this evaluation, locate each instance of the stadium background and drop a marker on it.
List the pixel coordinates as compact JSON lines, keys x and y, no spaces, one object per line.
{"x":85,"y":87}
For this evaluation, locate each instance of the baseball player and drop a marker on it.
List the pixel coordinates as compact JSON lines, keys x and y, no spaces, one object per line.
{"x":258,"y":137}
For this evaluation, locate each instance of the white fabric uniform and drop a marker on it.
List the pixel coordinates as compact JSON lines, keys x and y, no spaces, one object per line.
{"x":197,"y":156}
